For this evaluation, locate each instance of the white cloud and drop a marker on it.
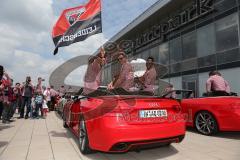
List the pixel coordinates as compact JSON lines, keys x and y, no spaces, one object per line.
{"x":30,"y":64}
{"x":27,"y":14}
{"x":24,"y":34}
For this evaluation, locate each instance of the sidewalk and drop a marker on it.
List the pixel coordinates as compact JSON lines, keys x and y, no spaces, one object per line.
{"x":46,"y":139}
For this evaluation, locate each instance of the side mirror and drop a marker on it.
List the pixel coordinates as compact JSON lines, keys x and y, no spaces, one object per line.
{"x":178,"y":92}
{"x":75,"y":98}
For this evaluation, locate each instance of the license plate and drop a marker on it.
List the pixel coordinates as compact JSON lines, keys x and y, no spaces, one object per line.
{"x":152,"y":113}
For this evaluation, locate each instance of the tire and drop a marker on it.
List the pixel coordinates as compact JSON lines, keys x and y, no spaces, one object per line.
{"x":206,"y":123}
{"x":64,"y":122}
{"x":83,"y":139}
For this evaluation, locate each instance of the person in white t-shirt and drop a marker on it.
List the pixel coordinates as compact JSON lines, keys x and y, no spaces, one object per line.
{"x":47,"y":94}
{"x":45,"y":108}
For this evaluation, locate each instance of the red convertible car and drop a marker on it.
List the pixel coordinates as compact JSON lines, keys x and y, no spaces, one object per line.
{"x":211,"y":114}
{"x":119,"y":123}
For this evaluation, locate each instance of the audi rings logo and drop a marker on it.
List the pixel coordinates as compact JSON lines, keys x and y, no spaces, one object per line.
{"x":153,"y":105}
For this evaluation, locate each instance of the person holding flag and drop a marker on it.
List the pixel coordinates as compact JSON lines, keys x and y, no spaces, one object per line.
{"x":92,"y":79}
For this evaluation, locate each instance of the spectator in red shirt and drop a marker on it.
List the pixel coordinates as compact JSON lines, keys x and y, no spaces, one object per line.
{"x":18,"y":93}
{"x":1,"y":90}
{"x":53,"y":94}
{"x":216,"y":85}
{"x":5,"y":104}
{"x":12,"y":96}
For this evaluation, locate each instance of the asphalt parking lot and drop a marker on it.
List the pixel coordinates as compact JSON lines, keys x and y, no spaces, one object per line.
{"x":46,"y":139}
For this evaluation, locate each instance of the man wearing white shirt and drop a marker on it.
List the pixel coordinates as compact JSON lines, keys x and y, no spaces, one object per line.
{"x":48,"y":96}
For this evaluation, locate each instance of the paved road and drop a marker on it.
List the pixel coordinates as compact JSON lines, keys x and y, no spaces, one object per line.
{"x":46,"y":139}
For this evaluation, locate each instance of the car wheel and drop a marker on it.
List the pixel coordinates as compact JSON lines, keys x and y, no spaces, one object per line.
{"x":206,"y":123}
{"x":83,"y":138}
{"x":65,"y":124}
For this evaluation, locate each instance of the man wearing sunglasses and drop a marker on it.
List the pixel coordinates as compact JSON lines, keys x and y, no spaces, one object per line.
{"x":125,"y":78}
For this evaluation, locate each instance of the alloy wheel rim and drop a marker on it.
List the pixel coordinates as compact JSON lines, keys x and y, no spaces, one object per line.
{"x":205,"y":123}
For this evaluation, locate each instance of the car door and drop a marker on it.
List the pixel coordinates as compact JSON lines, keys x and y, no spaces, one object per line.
{"x":67,"y":112}
{"x":75,"y":115}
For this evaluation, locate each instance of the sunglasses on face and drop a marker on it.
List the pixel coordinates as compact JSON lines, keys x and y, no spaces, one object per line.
{"x":120,"y":58}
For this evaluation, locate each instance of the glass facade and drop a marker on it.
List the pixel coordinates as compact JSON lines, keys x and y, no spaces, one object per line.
{"x":205,"y":41}
{"x":227,"y":33}
{"x":211,"y":42}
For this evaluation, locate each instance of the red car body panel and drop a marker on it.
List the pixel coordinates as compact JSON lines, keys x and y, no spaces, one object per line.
{"x":121,"y":124}
{"x":226,"y":110}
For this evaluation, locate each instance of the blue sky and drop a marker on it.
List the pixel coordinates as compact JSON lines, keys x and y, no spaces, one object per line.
{"x":25,"y":33}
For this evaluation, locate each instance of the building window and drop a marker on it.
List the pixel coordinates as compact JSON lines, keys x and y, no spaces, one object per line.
{"x":189,"y":64}
{"x":228,"y":56}
{"x":207,"y":61}
{"x":224,"y":5}
{"x":154,"y":52}
{"x":189,"y":45}
{"x":164,"y":54}
{"x":227,"y":33}
{"x":175,"y":68}
{"x":145,"y":54}
{"x":175,"y":50}
{"x":205,"y":41}
{"x":190,"y":82}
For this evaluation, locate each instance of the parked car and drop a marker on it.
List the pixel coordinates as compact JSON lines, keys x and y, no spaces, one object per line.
{"x":211,"y":114}
{"x":61,"y":102}
{"x":119,"y":122}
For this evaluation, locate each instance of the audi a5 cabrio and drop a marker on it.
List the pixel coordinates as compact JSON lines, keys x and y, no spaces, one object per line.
{"x":119,"y":122}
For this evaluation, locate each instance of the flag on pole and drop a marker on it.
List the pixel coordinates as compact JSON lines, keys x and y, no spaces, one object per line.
{"x":77,"y":24}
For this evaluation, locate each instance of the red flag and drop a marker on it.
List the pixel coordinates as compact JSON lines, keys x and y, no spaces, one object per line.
{"x":77,"y":24}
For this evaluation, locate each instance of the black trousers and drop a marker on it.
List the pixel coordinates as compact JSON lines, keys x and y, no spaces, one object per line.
{"x":26,"y":101}
{"x":1,"y":109}
{"x":38,"y":107}
{"x":6,"y":112}
{"x":220,"y":93}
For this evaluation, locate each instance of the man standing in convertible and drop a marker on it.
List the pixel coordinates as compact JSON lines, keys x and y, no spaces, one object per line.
{"x":216,"y":85}
{"x":125,"y":78}
{"x":92,"y":79}
{"x":149,"y":77}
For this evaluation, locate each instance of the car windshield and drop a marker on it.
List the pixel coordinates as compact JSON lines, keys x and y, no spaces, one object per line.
{"x":179,"y":94}
{"x":103,"y":91}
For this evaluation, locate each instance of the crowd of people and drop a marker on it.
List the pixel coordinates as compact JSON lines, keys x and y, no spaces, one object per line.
{"x":27,"y":99}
